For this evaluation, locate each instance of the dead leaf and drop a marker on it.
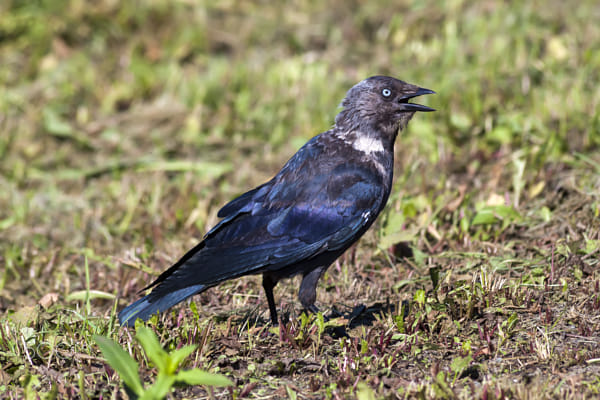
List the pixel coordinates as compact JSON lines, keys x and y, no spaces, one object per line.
{"x":48,"y":299}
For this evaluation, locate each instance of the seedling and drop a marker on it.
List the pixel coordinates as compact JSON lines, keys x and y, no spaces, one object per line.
{"x":166,"y":364}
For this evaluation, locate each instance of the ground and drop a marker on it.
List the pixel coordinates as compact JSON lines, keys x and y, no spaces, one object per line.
{"x":125,"y":126}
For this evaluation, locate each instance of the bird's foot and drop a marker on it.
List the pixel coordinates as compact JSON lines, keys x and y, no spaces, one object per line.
{"x":357,"y":311}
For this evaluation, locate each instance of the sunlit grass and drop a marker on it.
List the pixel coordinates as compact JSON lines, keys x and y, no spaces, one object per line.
{"x":125,"y":126}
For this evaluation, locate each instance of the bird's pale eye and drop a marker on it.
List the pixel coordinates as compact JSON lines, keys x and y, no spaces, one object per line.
{"x":386,"y":92}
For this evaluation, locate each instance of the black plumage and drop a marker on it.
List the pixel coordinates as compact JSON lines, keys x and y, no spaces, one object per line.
{"x":320,"y":203}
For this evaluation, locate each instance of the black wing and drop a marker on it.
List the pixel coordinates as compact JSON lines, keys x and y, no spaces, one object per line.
{"x":313,"y":205}
{"x":317,"y":203}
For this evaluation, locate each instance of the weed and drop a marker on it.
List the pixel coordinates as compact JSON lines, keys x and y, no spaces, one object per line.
{"x":167,"y":365}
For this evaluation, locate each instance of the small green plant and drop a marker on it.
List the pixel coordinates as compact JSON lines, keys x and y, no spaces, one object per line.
{"x":166,"y":363}
{"x":459,"y":365}
{"x":364,"y":392}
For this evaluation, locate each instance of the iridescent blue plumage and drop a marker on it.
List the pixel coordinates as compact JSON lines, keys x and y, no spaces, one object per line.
{"x":323,"y":199}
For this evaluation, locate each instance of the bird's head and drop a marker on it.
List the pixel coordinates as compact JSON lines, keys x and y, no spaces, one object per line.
{"x":381,"y":103}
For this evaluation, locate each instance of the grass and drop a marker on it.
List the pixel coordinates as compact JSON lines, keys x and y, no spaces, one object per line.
{"x":124,"y":128}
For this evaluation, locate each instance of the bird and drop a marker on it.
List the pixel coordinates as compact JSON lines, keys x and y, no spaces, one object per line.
{"x":321,"y":202}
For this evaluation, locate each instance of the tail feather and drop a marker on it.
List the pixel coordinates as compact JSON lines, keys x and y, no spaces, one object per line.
{"x":145,"y":307}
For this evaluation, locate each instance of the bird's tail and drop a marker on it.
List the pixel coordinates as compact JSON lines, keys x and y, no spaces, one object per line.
{"x":145,"y":307}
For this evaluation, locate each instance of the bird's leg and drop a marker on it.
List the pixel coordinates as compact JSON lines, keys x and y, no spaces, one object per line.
{"x":268,"y":284}
{"x":308,"y":289}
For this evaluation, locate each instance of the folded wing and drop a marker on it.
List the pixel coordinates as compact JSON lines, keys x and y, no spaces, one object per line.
{"x":294,"y":217}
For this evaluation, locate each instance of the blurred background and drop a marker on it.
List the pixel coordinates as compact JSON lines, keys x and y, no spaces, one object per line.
{"x":103,"y":101}
{"x":124,"y":126}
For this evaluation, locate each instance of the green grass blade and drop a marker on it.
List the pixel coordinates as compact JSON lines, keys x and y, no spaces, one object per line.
{"x":199,"y":377}
{"x":177,"y":356}
{"x":122,"y":362}
{"x":152,"y":347}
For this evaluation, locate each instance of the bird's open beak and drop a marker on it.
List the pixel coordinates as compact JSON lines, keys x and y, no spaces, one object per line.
{"x":406,"y":106}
